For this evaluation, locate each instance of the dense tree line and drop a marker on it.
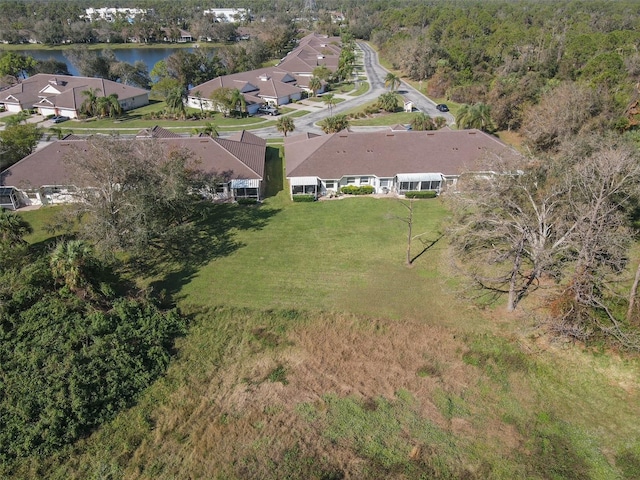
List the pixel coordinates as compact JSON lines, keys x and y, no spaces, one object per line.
{"x":511,"y":56}
{"x":54,"y":22}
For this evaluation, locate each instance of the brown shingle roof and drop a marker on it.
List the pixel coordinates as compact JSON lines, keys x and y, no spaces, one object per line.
{"x":47,"y":166}
{"x":64,"y":91}
{"x":276,"y":82}
{"x":247,"y":137}
{"x":312,"y":50}
{"x":157,"y":132}
{"x":387,"y":153}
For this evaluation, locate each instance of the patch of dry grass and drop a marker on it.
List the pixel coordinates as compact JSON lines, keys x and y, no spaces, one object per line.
{"x":316,"y":354}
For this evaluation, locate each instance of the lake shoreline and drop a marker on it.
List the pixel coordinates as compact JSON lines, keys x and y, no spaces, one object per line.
{"x":107,"y":46}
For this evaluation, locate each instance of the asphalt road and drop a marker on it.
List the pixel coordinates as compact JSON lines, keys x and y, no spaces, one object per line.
{"x":375,"y":75}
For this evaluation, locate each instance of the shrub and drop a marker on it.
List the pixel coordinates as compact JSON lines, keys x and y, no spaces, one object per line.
{"x":304,"y":198}
{"x":91,"y":357}
{"x":354,"y":190}
{"x":246,"y":201}
{"x":371,"y":109}
{"x":421,"y":194}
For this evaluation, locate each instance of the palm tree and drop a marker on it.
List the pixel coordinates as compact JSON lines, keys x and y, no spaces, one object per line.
{"x":392,"y":81}
{"x":315,"y":84}
{"x":330,"y":101}
{"x":209,"y":130}
{"x":346,"y":62}
{"x":102,"y":107}
{"x":13,"y":228}
{"x":439,"y":122}
{"x":334,"y":124}
{"x":285,"y":125}
{"x":237,"y":101}
{"x":108,"y":106}
{"x":175,"y":100}
{"x":89,"y":106}
{"x":71,"y":262}
{"x":388,"y":102}
{"x":322,"y":72}
{"x":114,"y":105}
{"x":475,"y":116}
{"x":422,"y":121}
{"x":57,"y":132}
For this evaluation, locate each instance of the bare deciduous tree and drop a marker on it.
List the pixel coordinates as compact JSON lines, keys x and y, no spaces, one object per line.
{"x":603,"y":182}
{"x":507,"y":228}
{"x":409,"y":221}
{"x":562,"y":112}
{"x":564,"y":219}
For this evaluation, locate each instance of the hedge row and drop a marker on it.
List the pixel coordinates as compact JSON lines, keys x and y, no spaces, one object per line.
{"x":304,"y":198}
{"x":353,"y":190}
{"x":421,"y":194}
{"x":247,"y":201}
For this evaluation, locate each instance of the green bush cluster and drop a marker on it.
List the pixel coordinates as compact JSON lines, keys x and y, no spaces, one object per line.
{"x":167,"y":114}
{"x":71,"y":359}
{"x":246,"y":201}
{"x":354,"y":190}
{"x":421,"y":194}
{"x":304,"y":198}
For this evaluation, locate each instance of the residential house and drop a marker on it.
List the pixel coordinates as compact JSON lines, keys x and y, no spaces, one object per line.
{"x":312,"y":51}
{"x":230,"y":15}
{"x":44,"y":178}
{"x":174,"y":34}
{"x":390,"y":161}
{"x":111,"y":14}
{"x":269,"y":85}
{"x":63,"y":94}
{"x":277,"y":85}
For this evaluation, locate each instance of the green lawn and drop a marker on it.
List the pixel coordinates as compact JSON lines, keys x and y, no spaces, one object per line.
{"x":331,"y":247}
{"x":314,"y":350}
{"x":384,"y":119}
{"x":299,"y":113}
{"x":363,"y":88}
{"x":134,"y":120}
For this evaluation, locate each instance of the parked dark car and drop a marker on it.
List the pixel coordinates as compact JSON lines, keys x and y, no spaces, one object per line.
{"x":59,"y":119}
{"x":442,"y":107}
{"x":268,"y":110}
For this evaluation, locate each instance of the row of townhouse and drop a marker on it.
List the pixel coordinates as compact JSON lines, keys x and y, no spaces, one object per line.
{"x":279,"y":85}
{"x":394,"y":162}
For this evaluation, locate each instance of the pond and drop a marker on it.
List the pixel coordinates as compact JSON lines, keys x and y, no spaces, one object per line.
{"x":150,"y":56}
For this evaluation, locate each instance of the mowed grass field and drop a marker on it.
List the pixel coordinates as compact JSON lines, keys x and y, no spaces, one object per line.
{"x":342,"y":256}
{"x":314,"y":352}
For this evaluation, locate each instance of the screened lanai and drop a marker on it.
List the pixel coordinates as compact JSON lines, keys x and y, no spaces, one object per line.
{"x":305,"y":185}
{"x":9,"y":198}
{"x":408,"y":182}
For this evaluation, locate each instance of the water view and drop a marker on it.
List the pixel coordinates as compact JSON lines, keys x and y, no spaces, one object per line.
{"x":150,"y":56}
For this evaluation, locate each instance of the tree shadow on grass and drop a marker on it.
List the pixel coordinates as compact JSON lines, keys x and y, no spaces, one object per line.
{"x":274,"y":171}
{"x":211,"y":234}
